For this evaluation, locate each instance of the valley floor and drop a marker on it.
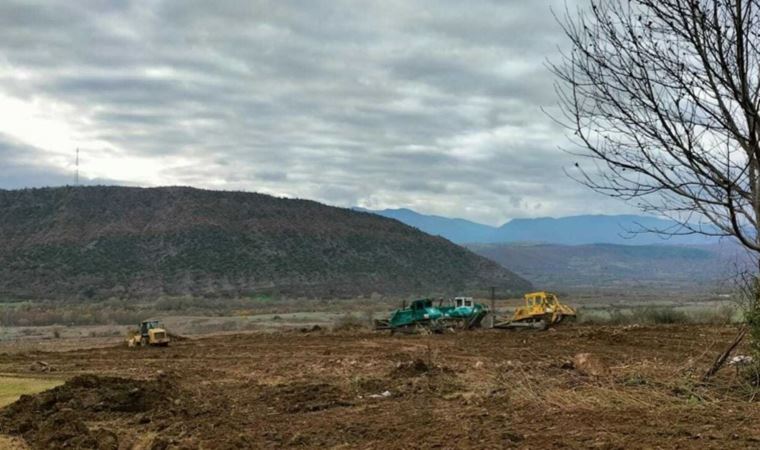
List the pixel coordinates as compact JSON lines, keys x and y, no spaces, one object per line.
{"x":357,"y":389}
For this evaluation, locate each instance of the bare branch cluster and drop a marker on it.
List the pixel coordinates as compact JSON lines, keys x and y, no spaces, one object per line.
{"x":663,"y":97}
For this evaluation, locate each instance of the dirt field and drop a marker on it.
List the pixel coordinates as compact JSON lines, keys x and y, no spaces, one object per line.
{"x":484,"y":389}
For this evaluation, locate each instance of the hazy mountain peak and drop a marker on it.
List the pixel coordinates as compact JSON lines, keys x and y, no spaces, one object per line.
{"x":625,"y":229}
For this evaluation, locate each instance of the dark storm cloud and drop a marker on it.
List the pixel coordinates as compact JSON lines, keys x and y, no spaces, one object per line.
{"x":433,"y":105}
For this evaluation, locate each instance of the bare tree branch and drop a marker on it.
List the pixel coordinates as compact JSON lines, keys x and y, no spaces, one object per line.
{"x":663,"y":99}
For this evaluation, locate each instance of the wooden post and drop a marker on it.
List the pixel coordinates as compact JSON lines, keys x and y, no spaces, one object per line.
{"x":493,"y":306}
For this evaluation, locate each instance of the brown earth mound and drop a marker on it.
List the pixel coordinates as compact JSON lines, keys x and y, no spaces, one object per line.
{"x":417,"y":367}
{"x":304,"y":397}
{"x":422,"y":376}
{"x":58,"y":418}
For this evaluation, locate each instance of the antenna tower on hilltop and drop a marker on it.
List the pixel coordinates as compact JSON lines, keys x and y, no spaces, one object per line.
{"x":77,"y":174}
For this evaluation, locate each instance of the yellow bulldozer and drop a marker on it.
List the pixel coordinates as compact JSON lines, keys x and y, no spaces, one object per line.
{"x":542,"y":309}
{"x":151,"y":332}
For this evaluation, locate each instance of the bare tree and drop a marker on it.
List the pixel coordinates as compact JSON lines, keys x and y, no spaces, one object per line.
{"x":663,"y":97}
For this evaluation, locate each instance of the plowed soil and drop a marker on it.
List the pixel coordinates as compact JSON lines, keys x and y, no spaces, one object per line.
{"x":482,"y":389}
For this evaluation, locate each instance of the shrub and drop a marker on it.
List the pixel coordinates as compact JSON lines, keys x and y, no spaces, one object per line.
{"x":350,"y":322}
{"x":721,"y":315}
{"x":660,"y":315}
{"x":229,"y":325}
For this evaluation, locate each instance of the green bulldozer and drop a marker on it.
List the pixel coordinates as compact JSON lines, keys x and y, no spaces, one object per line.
{"x":424,"y":315}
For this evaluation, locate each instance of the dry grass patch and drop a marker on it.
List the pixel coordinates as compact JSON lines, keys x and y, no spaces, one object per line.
{"x":11,"y":388}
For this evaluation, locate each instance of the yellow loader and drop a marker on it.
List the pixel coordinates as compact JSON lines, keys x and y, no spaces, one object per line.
{"x":151,"y":333}
{"x":542,"y":309}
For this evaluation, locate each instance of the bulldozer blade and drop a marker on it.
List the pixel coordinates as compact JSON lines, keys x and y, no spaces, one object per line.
{"x":382,"y":325}
{"x":475,"y":320}
{"x":538,"y":325}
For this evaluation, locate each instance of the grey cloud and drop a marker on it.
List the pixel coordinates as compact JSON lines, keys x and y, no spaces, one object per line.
{"x":21,"y":166}
{"x":428,"y":104}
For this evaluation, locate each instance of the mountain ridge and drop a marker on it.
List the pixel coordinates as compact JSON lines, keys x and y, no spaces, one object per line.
{"x":624,"y":229}
{"x":456,"y":230}
{"x":96,"y":242}
{"x":612,"y":266}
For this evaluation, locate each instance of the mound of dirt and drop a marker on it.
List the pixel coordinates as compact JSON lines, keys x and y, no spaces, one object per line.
{"x":57,"y":418}
{"x":304,"y":397}
{"x":589,"y":365}
{"x":41,"y":366}
{"x":413,"y":368}
{"x":177,"y":337}
{"x":417,"y":367}
{"x":416,"y":376}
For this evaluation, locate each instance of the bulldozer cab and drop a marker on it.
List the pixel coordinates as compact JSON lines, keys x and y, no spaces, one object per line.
{"x":421,"y":304}
{"x":542,"y":298}
{"x":148,"y":325}
{"x":464,"y":302}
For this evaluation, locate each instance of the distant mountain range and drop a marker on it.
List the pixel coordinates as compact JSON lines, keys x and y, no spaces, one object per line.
{"x":573,"y":230}
{"x":459,"y":231}
{"x":99,"y":242}
{"x":610,"y":267}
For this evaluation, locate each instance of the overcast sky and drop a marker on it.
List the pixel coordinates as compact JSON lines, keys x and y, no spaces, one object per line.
{"x":432,"y":105}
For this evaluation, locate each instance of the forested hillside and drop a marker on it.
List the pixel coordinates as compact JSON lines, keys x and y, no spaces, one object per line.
{"x":95,"y":242}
